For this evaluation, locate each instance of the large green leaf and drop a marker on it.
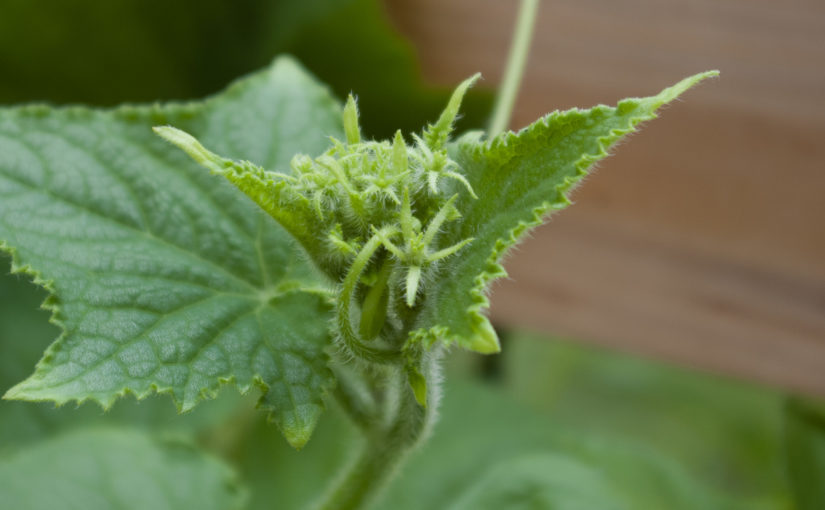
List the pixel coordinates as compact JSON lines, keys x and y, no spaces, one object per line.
{"x":519,"y":178}
{"x":25,"y":333}
{"x":102,"y":469}
{"x":164,"y":278}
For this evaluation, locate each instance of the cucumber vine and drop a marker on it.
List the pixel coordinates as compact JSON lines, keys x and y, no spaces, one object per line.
{"x":167,"y":280}
{"x":371,"y":215}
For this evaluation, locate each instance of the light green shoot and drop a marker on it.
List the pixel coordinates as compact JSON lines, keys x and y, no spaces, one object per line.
{"x":351,"y":129}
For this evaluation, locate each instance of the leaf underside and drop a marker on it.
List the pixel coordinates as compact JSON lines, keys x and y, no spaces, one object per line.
{"x":164,"y":278}
{"x":101,"y":469}
{"x":520,"y":178}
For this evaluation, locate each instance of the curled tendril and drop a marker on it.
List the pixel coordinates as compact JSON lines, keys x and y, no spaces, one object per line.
{"x":350,"y":338}
{"x":396,"y":196}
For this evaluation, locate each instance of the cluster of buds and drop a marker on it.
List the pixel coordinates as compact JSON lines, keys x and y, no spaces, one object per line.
{"x":369,"y":214}
{"x":397,"y":194}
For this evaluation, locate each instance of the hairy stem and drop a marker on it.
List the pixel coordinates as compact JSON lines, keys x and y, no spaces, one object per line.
{"x":516,"y":61}
{"x":385,"y":448}
{"x":354,"y":397}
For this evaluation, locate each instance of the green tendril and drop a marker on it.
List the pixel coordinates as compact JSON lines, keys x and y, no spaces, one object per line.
{"x":350,"y":338}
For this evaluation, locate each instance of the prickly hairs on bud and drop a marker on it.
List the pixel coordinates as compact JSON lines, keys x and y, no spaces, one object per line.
{"x":369,"y":213}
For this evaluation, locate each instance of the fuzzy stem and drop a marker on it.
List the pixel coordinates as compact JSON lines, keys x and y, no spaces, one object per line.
{"x":354,"y":397}
{"x":384,"y":449}
{"x":516,"y":61}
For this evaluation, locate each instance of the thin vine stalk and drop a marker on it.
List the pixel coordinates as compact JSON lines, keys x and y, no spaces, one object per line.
{"x":516,"y":63}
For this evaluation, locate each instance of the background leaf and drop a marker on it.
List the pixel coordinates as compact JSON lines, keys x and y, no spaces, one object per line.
{"x":109,"y":468}
{"x":805,"y":439}
{"x":534,"y":482}
{"x":167,"y":279}
{"x":295,"y":479}
{"x":726,"y":433}
{"x":190,"y":48}
{"x":482,"y":428}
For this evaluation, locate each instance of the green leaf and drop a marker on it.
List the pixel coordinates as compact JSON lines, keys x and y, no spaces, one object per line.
{"x":540,"y":482}
{"x":725,"y":432}
{"x":110,"y":468}
{"x":520,"y":178}
{"x":274,"y":472}
{"x":25,"y":333}
{"x":483,"y":434}
{"x":805,"y":451}
{"x":163,"y":277}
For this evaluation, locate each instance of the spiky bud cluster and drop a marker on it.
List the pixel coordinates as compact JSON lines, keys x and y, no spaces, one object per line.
{"x":401,"y":195}
{"x":369,"y":213}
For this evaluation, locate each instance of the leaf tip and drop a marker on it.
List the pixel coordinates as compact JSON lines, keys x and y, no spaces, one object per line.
{"x":29,"y":391}
{"x":419,"y":386}
{"x":676,"y":90}
{"x":14,"y":393}
{"x":174,"y":135}
{"x":437,"y":134}
{"x":297,"y":437}
{"x":190,"y":145}
{"x":485,"y":339}
{"x":351,"y":129}
{"x":469,"y":82}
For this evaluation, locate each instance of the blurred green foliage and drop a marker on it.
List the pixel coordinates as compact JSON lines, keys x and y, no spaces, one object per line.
{"x":105,"y":53}
{"x":805,"y":450}
{"x":482,"y":433}
{"x":117,"y":468}
{"x":725,"y":432}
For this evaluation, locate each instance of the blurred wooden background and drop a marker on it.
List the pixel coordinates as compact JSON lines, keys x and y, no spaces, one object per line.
{"x":703,"y":240}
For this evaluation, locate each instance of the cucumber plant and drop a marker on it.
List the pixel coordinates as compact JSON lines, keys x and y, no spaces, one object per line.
{"x":313,"y":264}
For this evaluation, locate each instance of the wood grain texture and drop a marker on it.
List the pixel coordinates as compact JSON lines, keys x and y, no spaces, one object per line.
{"x":703,"y":240}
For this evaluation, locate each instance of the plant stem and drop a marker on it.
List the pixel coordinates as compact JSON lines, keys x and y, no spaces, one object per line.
{"x":384,"y":450}
{"x":516,"y":61}
{"x":353,"y":395}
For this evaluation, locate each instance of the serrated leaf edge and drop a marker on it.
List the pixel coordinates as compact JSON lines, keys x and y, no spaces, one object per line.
{"x":296,"y":438}
{"x":493,"y":269}
{"x":156,"y":113}
{"x":138,"y":111}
